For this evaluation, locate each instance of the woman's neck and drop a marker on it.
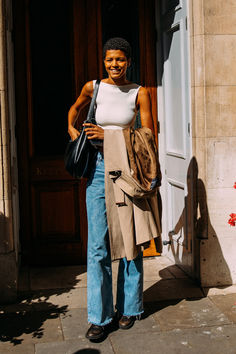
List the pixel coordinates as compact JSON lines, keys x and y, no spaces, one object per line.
{"x":118,"y":82}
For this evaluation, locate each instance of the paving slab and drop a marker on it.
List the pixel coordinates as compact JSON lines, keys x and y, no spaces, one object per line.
{"x":205,"y":313}
{"x":74,"y":323}
{"x":226,"y":304}
{"x":21,"y":306}
{"x":210,"y":340}
{"x":162,"y":268}
{"x":58,"y":277}
{"x":30,"y":328}
{"x":20,"y":331}
{"x":6,"y":348}
{"x":80,"y":346}
{"x":220,"y":290}
{"x":165,"y":264}
{"x":40,"y":301}
{"x":147,"y":324}
{"x":162,"y":260}
{"x":152,"y":271}
{"x":171,"y":289}
{"x":177,"y":272}
{"x":172,"y":315}
{"x":62,"y":298}
{"x":34,"y":307}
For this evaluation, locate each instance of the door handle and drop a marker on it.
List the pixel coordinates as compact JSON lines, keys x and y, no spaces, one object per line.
{"x":171,"y":233}
{"x":165,"y":243}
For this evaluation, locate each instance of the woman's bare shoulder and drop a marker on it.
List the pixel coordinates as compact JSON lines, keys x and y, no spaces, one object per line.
{"x":88,"y":89}
{"x":143,"y":91}
{"x":143,"y":95}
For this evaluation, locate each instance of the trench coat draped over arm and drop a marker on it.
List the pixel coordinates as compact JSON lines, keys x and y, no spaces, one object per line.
{"x":133,"y":219}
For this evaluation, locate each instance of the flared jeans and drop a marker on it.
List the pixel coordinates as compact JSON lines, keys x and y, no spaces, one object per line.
{"x":129,"y":300}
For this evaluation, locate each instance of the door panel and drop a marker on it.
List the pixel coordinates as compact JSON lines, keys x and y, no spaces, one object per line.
{"x":175,"y":124}
{"x":49,"y":209}
{"x":176,"y":146}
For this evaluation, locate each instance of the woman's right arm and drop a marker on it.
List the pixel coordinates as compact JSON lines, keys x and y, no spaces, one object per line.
{"x":73,"y":114}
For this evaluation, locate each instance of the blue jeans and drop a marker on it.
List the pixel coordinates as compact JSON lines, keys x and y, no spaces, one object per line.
{"x":129,"y":300}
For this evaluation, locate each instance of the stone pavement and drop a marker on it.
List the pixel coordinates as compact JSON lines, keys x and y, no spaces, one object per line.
{"x":180,"y":317}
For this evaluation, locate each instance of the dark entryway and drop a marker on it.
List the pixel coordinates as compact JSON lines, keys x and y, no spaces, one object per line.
{"x":58,"y":47}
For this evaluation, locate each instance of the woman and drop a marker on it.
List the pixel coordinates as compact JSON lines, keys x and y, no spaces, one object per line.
{"x":118,"y":101}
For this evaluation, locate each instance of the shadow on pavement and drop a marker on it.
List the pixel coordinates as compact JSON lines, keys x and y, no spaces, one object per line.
{"x":87,"y":351}
{"x":34,"y":308}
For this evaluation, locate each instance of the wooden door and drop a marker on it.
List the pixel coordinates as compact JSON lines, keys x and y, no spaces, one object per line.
{"x":53,"y":59}
{"x":58,"y":47}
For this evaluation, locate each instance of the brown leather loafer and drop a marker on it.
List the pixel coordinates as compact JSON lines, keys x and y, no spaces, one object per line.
{"x":95,"y":332}
{"x":126,"y":322}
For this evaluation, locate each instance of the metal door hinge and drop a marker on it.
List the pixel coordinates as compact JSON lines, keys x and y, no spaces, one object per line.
{"x":158,"y":127}
{"x":189,"y":127}
{"x":186,"y":23}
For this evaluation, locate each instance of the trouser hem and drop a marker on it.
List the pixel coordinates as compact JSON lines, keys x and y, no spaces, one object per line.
{"x":101,"y":324}
{"x":136,"y":314}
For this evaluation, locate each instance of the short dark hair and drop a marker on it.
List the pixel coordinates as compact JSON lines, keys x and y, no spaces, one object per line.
{"x":117,"y":43}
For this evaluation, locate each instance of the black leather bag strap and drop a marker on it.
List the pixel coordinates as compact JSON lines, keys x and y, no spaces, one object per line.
{"x":91,"y":112}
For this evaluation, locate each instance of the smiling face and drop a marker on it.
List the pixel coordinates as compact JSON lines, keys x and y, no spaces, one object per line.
{"x":116,"y":64}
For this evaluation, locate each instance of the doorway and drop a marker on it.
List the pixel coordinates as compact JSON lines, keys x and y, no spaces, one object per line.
{"x":58,"y":47}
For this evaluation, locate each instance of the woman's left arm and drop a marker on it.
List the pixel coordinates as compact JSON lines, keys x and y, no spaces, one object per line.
{"x":144,"y":105}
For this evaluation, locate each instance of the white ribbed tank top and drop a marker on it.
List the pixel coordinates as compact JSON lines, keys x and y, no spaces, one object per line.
{"x":116,"y":105}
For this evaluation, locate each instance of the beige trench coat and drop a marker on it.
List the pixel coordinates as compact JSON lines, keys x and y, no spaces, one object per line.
{"x":132,"y":220}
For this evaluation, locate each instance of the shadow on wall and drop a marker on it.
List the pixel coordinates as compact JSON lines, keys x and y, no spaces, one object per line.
{"x":169,"y":291}
{"x":4,"y":234}
{"x":203,"y":234}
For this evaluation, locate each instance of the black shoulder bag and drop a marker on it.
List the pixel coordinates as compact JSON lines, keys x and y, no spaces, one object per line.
{"x":81,"y":152}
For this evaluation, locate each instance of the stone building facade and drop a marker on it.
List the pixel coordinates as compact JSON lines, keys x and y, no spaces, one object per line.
{"x":9,"y":226}
{"x":213,"y":92}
